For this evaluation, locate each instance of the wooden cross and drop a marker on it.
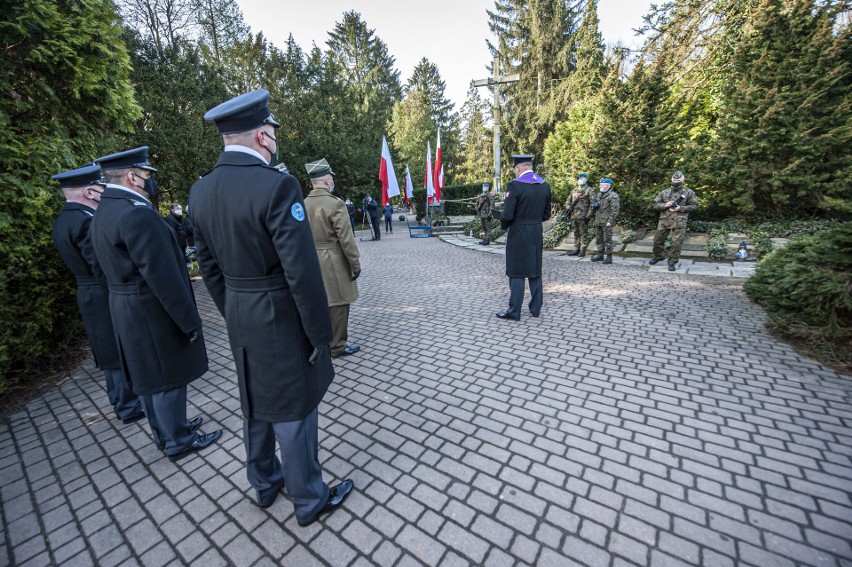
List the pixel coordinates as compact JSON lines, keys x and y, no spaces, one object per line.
{"x":494,"y":82}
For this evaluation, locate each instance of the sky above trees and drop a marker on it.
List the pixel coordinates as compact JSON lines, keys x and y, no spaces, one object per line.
{"x":450,"y":33}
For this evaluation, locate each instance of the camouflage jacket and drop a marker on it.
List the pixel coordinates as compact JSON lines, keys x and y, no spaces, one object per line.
{"x":580,"y":202}
{"x":609,"y":205}
{"x":483,"y":205}
{"x":686,"y":197}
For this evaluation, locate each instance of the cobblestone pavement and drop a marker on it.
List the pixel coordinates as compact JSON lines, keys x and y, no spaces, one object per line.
{"x":644,"y":419}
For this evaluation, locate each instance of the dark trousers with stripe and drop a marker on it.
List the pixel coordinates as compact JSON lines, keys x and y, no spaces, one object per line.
{"x":516,"y":295}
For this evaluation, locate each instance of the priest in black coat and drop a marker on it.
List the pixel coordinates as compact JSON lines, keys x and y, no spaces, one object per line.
{"x":527,"y":205}
{"x":257,"y":256}
{"x":157,"y":325}
{"x":82,"y":188}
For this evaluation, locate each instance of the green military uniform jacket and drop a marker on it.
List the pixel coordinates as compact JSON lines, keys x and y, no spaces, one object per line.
{"x":688,"y":203}
{"x":484,"y":203}
{"x":581,"y":200}
{"x":338,"y":254}
{"x":608,"y":208}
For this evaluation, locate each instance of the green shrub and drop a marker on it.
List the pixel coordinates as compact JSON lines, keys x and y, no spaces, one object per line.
{"x":458,"y":192}
{"x":806,"y":289}
{"x":717,"y":245}
{"x":559,"y":230}
{"x":628,"y":236}
{"x":762,"y":243}
{"x":475,"y":226}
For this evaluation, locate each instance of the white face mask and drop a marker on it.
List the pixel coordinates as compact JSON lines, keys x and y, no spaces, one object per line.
{"x":581,"y":182}
{"x":331,"y":188}
{"x":179,"y":212}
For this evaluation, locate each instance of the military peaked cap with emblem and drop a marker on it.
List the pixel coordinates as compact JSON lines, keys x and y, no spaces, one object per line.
{"x":523,"y":158}
{"x":80,"y":177}
{"x":137,"y":157}
{"x":318,"y":168}
{"x":244,"y":112}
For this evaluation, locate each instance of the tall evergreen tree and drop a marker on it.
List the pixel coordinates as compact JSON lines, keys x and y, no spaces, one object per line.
{"x":783,"y":134}
{"x":64,"y":76}
{"x":476,"y":159}
{"x":412,"y":126}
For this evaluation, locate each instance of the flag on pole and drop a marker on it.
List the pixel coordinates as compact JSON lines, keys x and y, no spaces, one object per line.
{"x":390,"y":187}
{"x":409,"y":187}
{"x":439,"y":169}
{"x":427,"y":175}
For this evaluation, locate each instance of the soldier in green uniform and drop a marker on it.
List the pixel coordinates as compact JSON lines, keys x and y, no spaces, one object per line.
{"x":607,"y":206}
{"x":484,"y":203}
{"x":580,"y":210}
{"x":674,"y":204}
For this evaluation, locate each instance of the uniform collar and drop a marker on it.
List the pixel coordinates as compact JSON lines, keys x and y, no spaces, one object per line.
{"x":128,"y":190}
{"x":246,"y":150}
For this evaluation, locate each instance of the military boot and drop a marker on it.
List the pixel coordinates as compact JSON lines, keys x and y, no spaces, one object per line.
{"x":672,"y":267}
{"x":608,"y":259}
{"x":582,"y":253}
{"x":655,"y":261}
{"x":486,"y":242}
{"x":597,"y":257}
{"x":574,"y":253}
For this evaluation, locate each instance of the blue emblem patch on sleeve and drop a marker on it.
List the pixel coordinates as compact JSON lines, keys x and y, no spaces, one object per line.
{"x":298,"y":212}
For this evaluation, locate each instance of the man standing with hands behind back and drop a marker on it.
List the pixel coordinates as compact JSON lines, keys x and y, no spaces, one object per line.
{"x":527,"y":205}
{"x":157,"y":326}
{"x":338,"y":253}
{"x":258,"y":260}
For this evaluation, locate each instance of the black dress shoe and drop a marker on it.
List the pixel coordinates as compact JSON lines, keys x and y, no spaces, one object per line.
{"x":535,"y":314}
{"x":194,"y":424}
{"x":133,"y":418}
{"x":335,"y":498}
{"x":507,"y":315}
{"x":201,"y":441}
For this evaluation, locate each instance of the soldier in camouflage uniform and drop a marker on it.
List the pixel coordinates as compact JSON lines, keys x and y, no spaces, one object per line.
{"x":674,"y":204}
{"x":483,"y":206}
{"x":606,"y":206}
{"x":580,"y":211}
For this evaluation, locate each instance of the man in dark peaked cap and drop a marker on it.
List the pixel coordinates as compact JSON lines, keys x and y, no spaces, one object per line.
{"x":157,"y":326}
{"x":258,"y":259}
{"x":527,"y":205}
{"x":82,"y":188}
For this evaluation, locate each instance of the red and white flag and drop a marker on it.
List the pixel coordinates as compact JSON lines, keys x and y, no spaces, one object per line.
{"x":428,"y":180}
{"x":390,"y":187}
{"x":409,"y":187}
{"x":439,"y":170}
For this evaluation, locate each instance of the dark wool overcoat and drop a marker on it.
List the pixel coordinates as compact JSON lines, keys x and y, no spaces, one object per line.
{"x":527,"y":206}
{"x":258,"y":259}
{"x":150,"y":297}
{"x":71,"y":237}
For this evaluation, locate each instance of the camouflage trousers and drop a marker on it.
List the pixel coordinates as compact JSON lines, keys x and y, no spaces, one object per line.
{"x":678,"y":232}
{"x":486,"y":229}
{"x":603,"y":239}
{"x":581,"y":233}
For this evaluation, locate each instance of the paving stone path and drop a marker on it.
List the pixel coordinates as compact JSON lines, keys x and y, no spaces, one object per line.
{"x":645,"y":419}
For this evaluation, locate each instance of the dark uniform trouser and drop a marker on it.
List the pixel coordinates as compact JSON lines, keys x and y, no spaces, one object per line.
{"x":377,"y":234}
{"x":678,"y":234}
{"x":603,"y":238}
{"x":339,"y":328}
{"x":516,"y":295}
{"x":166,"y":413}
{"x":486,"y":229}
{"x":301,"y":472}
{"x":121,"y":397}
{"x":581,"y":233}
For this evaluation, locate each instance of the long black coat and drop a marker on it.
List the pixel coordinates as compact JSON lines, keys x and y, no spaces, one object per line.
{"x":258,"y":259}
{"x":71,"y":237}
{"x":527,"y":206}
{"x":151,"y":301}
{"x":176,"y":223}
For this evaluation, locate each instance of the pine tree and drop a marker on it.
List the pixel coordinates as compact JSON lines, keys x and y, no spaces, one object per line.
{"x":476,"y":160}
{"x":411,"y":128}
{"x":783,"y":134}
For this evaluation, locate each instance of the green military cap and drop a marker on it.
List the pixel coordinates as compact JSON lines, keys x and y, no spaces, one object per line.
{"x":318,"y":168}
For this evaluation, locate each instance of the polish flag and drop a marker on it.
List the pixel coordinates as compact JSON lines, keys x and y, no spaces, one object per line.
{"x":409,"y":187}
{"x":427,"y":175}
{"x":390,"y":187}
{"x":439,"y":170}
